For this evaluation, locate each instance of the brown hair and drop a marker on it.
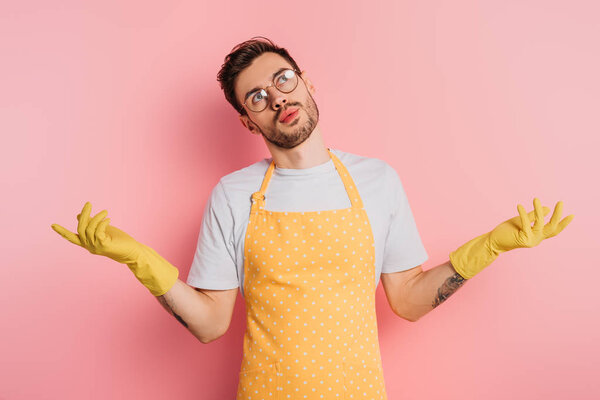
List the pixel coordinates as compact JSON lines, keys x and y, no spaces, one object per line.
{"x":240,"y":57}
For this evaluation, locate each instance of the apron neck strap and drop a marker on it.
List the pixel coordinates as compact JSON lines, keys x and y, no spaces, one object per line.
{"x":259,"y":197}
{"x":351,"y":189}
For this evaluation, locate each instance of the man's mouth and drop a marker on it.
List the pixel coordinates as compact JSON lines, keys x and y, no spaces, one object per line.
{"x":288,"y":115}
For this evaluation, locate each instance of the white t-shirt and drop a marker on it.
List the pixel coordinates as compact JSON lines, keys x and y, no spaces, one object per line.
{"x":219,"y":259}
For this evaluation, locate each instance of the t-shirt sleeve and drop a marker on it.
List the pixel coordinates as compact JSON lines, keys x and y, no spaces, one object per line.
{"x":214,"y":265}
{"x":403,"y":246}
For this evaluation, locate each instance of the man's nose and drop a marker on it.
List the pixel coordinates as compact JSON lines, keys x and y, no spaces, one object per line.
{"x":278,"y":99}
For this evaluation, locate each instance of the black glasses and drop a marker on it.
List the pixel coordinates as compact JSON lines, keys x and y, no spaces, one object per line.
{"x":285,"y":81}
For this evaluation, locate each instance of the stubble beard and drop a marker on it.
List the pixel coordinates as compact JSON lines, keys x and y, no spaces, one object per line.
{"x":288,"y":140}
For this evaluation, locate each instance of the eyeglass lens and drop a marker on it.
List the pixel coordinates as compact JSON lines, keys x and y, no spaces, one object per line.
{"x":285,"y":82}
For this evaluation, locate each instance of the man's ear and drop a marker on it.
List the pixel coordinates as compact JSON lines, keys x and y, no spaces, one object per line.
{"x":248,"y":124}
{"x":309,"y":85}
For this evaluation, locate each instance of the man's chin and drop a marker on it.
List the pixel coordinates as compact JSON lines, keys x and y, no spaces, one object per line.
{"x":290,"y":144}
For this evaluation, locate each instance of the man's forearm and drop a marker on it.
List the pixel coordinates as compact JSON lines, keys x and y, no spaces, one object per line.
{"x":431,"y":288}
{"x":192,"y":309}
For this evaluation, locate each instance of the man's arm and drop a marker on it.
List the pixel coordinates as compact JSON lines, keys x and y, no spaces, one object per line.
{"x":205,"y":313}
{"x":414,"y":292}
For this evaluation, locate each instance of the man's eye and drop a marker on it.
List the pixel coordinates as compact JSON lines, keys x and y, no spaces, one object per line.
{"x":287,"y":75}
{"x":257,"y":97}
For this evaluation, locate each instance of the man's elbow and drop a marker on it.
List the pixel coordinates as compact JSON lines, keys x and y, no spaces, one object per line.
{"x":407,"y":316}
{"x":211,"y":337}
{"x":204,"y":340}
{"x":207,"y":341}
{"x":411,"y":319}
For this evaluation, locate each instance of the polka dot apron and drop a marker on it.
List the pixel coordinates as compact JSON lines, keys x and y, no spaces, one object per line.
{"x":309,"y":290}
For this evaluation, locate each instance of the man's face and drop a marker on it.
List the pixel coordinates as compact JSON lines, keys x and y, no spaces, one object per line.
{"x":267,"y":122}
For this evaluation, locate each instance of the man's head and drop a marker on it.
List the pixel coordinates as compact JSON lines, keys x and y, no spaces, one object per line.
{"x":250,"y":68}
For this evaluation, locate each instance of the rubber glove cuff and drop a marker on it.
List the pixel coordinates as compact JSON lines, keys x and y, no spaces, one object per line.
{"x":472,"y":257}
{"x":153,"y":271}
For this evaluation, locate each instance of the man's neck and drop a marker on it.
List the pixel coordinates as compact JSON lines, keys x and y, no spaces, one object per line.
{"x":310,"y":153}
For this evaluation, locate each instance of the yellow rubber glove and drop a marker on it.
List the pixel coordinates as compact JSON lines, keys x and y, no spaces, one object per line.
{"x":98,"y":237}
{"x":472,"y":257}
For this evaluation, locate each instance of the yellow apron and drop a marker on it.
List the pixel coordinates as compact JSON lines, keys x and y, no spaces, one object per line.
{"x":309,"y":290}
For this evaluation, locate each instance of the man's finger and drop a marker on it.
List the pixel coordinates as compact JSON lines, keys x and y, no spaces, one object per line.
{"x":90,"y":231}
{"x":83,"y":222}
{"x":101,"y":230}
{"x":70,"y":236}
{"x":525,"y":224}
{"x":539,"y":217}
{"x":557,"y":214}
{"x":563,"y":224}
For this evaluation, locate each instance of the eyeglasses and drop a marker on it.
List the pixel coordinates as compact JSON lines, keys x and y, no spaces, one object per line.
{"x":285,"y":81}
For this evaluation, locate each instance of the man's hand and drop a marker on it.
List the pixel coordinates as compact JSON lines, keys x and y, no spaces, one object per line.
{"x":98,"y":237}
{"x":472,"y":257}
{"x":517,"y":232}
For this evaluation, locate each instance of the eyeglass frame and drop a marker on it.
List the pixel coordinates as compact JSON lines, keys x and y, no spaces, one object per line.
{"x":298,"y":73}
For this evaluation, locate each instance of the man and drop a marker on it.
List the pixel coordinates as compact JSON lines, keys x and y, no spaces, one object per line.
{"x":305,"y":235}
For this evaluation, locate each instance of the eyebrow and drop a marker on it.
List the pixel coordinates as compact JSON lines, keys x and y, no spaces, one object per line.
{"x":258,"y":87}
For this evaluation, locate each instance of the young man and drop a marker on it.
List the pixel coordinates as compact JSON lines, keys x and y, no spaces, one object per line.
{"x":305,"y":235}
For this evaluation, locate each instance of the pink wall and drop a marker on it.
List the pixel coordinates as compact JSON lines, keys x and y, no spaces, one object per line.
{"x":478,"y":105}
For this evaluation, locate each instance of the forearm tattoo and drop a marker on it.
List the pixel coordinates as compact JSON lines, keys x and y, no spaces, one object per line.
{"x":163,"y":301}
{"x":450,"y":286}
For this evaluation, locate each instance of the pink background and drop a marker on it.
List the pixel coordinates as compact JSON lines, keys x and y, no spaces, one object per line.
{"x":478,"y":105}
